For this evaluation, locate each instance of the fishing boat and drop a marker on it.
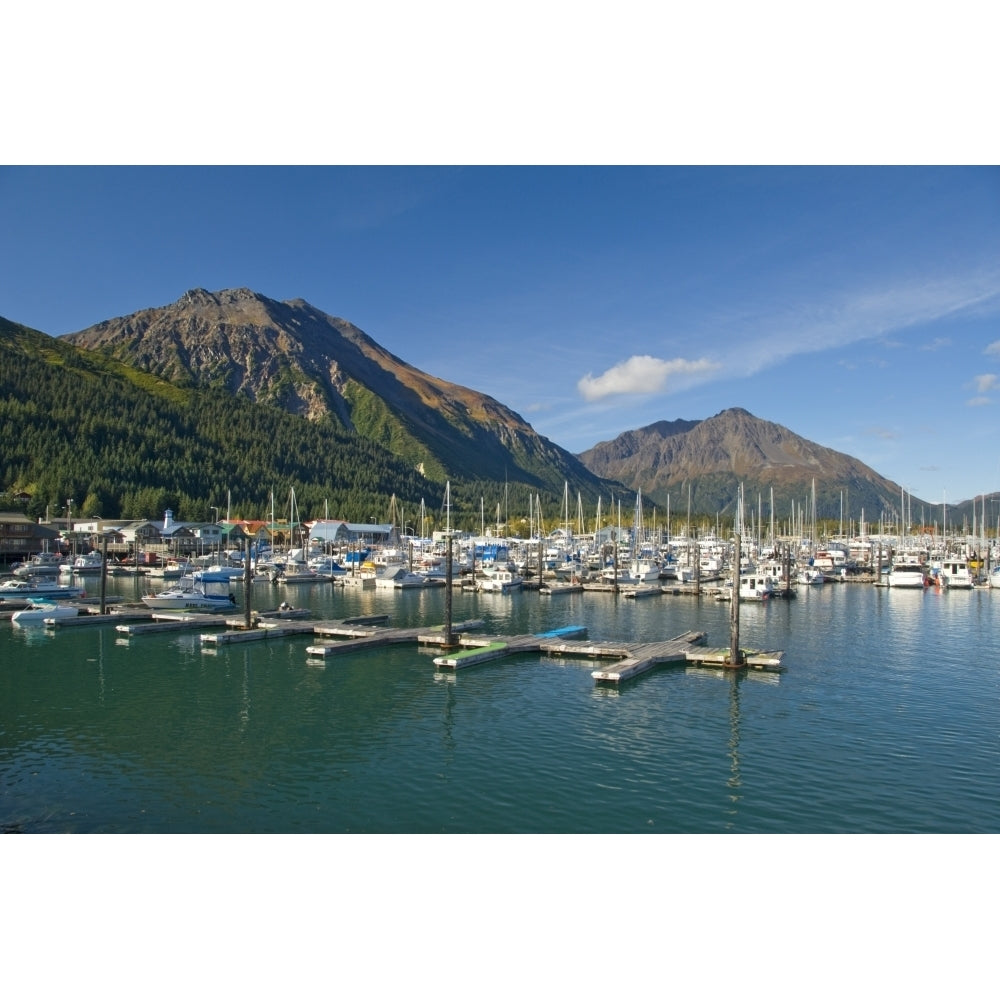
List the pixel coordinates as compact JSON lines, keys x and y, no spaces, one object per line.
{"x":42,"y":564}
{"x":90,"y":564}
{"x":907,"y":573}
{"x":41,"y":610}
{"x":189,"y":595}
{"x":955,"y":574}
{"x":398,"y":578}
{"x":500,"y":579}
{"x":755,"y":587}
{"x":20,"y":590}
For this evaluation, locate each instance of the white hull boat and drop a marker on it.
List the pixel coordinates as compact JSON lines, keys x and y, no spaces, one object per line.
{"x":189,"y":597}
{"x":23,"y":590}
{"x":42,"y":610}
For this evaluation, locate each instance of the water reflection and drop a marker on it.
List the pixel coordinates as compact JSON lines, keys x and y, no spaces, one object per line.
{"x":734,"y":782}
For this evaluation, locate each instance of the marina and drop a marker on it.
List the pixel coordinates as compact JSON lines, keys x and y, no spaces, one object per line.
{"x":512,"y":726}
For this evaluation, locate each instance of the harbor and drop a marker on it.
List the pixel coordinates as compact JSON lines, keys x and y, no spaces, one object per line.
{"x":346,"y":716}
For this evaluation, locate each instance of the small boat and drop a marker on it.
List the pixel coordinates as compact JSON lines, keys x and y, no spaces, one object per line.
{"x":500,"y":580}
{"x":907,"y":574}
{"x":90,"y":564}
{"x":172,"y":569}
{"x":20,"y":590}
{"x":810,"y":576}
{"x":955,"y":574}
{"x":43,"y":564}
{"x":42,"y":610}
{"x":398,"y":578}
{"x":189,"y":596}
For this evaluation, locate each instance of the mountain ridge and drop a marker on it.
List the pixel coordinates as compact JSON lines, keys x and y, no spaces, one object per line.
{"x":293,"y":355}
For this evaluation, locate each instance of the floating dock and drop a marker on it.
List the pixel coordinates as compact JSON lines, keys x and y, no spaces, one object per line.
{"x":368,"y":638}
{"x":755,"y":659}
{"x":643,"y":657}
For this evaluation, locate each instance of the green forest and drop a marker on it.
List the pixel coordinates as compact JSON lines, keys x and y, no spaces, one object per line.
{"x":121,"y":443}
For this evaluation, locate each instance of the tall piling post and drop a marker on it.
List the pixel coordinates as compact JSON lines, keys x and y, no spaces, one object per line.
{"x":104,"y":574}
{"x":247,"y":587}
{"x":449,"y":639}
{"x":735,"y":654}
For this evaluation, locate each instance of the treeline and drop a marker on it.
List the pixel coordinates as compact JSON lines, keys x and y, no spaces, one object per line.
{"x":123,"y":444}
{"x":72,"y":429}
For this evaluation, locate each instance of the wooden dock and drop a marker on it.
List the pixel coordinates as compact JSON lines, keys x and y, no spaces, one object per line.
{"x":643,"y":657}
{"x":358,"y":638}
{"x":182,"y":621}
{"x":755,"y":659}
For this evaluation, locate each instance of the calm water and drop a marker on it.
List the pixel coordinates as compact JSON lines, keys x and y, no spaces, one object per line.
{"x":887,"y":719}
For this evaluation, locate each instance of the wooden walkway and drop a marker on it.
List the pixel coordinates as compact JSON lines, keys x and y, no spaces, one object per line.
{"x":643,"y":657}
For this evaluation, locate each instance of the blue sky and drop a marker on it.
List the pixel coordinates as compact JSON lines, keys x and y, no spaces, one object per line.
{"x":857,"y":306}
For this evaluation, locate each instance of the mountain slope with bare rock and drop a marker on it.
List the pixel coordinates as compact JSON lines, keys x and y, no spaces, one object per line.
{"x":717,"y":455}
{"x":296,"y":357}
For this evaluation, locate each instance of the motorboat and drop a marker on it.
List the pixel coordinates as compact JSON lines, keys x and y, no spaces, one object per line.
{"x":501,"y":579}
{"x":188,"y":595}
{"x":40,"y":610}
{"x":21,"y":590}
{"x":398,"y":578}
{"x":42,"y":564}
{"x":906,"y":573}
{"x":955,"y":574}
{"x":756,"y":586}
{"x":172,"y":569}
{"x":90,"y":564}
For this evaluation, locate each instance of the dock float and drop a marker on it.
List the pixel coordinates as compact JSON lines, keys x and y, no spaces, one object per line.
{"x":265,"y":630}
{"x":358,"y":639}
{"x":479,"y":649}
{"x":472,"y":655}
{"x":181,"y":622}
{"x":643,"y":657}
{"x":554,"y":589}
{"x":637,"y":592}
{"x":96,"y":618}
{"x":753,"y":658}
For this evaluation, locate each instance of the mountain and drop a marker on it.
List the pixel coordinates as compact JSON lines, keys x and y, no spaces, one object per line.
{"x":717,"y":455}
{"x":120,"y":442}
{"x":297,"y":358}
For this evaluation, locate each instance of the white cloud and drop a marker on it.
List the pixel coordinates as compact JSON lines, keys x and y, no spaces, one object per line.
{"x":979,"y":401}
{"x":641,"y":374}
{"x":993,"y":348}
{"x":985,"y":383}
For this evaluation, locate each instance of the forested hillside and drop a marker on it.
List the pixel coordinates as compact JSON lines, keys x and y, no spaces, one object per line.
{"x":123,"y":443}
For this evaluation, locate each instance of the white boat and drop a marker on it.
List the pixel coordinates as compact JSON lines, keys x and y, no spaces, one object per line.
{"x":90,"y":564}
{"x":398,"y":578}
{"x":810,"y":576}
{"x":756,"y":586}
{"x":994,"y":578}
{"x":217,"y":570}
{"x":955,"y":574}
{"x":500,"y":579}
{"x":43,"y":564}
{"x":327,"y":567}
{"x":41,"y":610}
{"x":297,"y":572}
{"x":906,"y":573}
{"x":189,"y":596}
{"x":20,"y":590}
{"x":172,"y":569}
